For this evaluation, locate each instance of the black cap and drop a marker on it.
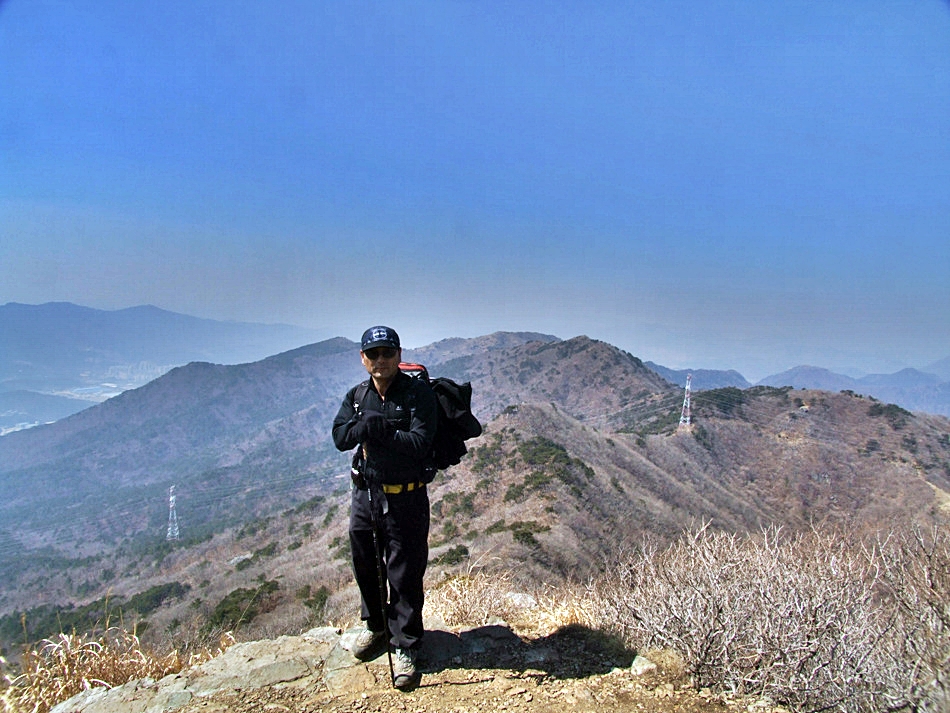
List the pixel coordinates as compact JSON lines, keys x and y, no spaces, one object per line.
{"x":379,"y":337}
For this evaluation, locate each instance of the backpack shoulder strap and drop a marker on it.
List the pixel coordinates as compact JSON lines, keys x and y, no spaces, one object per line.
{"x":360,"y":395}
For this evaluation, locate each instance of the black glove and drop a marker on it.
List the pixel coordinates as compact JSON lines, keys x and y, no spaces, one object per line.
{"x":370,"y":426}
{"x":376,"y":426}
{"x":358,"y":429}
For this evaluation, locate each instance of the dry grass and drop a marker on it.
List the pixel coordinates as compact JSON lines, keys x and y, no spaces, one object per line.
{"x":68,"y":664}
{"x":478,"y":597}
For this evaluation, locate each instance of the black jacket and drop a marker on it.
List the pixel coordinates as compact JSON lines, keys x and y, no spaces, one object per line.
{"x":410,"y":407}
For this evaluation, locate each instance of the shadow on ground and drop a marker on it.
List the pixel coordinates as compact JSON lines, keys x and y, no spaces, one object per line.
{"x":570,"y":652}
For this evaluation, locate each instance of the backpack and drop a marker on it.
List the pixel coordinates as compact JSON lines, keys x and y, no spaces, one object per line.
{"x":456,"y":423}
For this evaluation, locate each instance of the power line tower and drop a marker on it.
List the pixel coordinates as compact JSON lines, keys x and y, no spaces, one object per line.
{"x":685,"y":416}
{"x":173,"y":534}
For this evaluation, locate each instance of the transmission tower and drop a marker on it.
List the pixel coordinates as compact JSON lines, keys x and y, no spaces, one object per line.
{"x":173,"y":534}
{"x":685,"y":418}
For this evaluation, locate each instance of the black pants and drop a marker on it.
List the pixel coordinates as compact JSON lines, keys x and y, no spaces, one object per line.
{"x":404,"y":543}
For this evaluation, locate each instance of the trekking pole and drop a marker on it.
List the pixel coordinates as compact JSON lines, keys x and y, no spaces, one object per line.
{"x":379,"y":572}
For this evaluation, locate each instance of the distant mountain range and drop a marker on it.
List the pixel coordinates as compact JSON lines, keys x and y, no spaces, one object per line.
{"x":909,"y":388}
{"x":58,"y":358}
{"x":702,"y":379}
{"x":941,"y":368}
{"x":912,"y":389}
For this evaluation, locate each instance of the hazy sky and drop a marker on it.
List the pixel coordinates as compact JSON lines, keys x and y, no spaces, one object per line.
{"x":745,"y":184}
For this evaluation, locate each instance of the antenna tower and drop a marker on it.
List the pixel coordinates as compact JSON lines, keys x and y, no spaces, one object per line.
{"x":685,"y":418}
{"x":173,"y":534}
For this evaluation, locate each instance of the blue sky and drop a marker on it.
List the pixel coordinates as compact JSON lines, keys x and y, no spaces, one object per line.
{"x":739,"y":185}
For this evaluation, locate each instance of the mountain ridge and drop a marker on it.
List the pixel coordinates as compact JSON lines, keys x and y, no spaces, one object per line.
{"x":579,"y":437}
{"x":84,"y":356}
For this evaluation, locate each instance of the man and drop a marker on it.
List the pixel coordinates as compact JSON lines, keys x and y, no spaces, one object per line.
{"x":393,"y":426}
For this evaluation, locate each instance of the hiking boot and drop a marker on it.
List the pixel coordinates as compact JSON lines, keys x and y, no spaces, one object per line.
{"x":368,"y":644}
{"x":404,"y":668}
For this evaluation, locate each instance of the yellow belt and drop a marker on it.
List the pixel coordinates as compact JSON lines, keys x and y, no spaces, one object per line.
{"x":395,"y":489}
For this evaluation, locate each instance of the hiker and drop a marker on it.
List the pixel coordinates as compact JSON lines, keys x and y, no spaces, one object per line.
{"x":394,"y":428}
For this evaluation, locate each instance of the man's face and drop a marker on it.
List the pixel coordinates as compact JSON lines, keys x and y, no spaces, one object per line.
{"x":382,"y":362}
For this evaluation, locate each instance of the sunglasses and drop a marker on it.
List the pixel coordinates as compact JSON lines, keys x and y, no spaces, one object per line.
{"x":380,"y":353}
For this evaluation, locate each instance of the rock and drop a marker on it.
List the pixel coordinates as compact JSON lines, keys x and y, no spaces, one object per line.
{"x":664,"y":690}
{"x":250,"y":665}
{"x":256,"y":664}
{"x":520,"y":600}
{"x":642,"y":665}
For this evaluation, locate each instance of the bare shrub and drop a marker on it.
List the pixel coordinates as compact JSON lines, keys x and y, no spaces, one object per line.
{"x":916,"y":667}
{"x":795,"y":618}
{"x":816,"y":620}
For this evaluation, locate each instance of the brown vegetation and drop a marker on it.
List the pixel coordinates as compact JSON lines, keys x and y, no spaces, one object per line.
{"x":67,"y":664}
{"x":811,"y":621}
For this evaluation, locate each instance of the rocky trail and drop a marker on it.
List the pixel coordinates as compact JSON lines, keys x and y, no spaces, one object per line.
{"x":487,"y":668}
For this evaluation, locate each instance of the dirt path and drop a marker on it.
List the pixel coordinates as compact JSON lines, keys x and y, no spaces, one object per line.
{"x":467,"y":691}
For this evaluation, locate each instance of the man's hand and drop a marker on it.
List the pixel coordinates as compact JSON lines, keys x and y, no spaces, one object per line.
{"x":377,"y":427}
{"x":358,"y":429}
{"x":371,"y":426}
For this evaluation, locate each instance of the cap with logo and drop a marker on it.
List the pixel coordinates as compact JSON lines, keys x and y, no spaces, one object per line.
{"x":379,"y":337}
